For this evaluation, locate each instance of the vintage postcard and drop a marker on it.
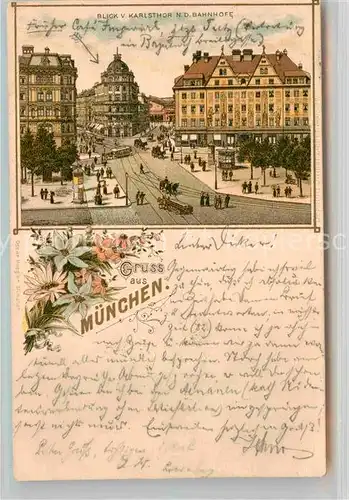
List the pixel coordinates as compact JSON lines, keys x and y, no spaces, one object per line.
{"x":167,"y":240}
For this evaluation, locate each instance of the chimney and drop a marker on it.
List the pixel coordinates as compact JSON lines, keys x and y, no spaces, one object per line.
{"x":186,"y":67}
{"x":47,"y":50}
{"x":300,"y":65}
{"x":27,"y":49}
{"x":285,"y":52}
{"x":198,"y":54}
{"x":236,"y":55}
{"x":206,"y":56}
{"x":278,"y":55}
{"x":247,"y":54}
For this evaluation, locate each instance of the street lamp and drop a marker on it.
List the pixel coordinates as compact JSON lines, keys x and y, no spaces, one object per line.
{"x":126,"y":188}
{"x":213,"y":150}
{"x":181,"y":152}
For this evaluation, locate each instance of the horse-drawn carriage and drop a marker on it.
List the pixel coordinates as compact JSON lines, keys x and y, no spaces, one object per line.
{"x":166,"y":203}
{"x":140,"y":143}
{"x":157,"y":152}
{"x":169,"y":187}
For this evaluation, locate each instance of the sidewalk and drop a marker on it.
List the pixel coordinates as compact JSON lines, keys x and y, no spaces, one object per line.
{"x":242,"y":174}
{"x":64,"y":195}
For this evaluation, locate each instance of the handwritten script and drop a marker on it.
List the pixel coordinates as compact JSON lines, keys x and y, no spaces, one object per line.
{"x":223,"y":376}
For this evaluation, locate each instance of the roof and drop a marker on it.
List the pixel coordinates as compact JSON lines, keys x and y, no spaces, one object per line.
{"x":117,"y":65}
{"x":164,"y":101}
{"x":205,"y":66}
{"x":48,"y":60}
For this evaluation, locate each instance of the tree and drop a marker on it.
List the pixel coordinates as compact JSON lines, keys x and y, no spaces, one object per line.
{"x":283,"y":153}
{"x":28,"y":157}
{"x":301,"y":162}
{"x":263,"y":153}
{"x":247,"y":152}
{"x":46,"y":154}
{"x":66,"y":156}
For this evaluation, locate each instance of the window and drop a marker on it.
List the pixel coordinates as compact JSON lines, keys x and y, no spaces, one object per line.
{"x":243,"y":95}
{"x":216,"y":82}
{"x":287,"y":108}
{"x":33,"y":113}
{"x":305,"y":121}
{"x":258,"y":122}
{"x":257,"y":81}
{"x":296,"y":93}
{"x":222,"y":72}
{"x":41,"y":112}
{"x":192,"y":83}
{"x":217,"y":122}
{"x":202,"y":108}
{"x":295,"y":80}
{"x":184,"y":110}
{"x":230,"y":122}
{"x":230,"y":95}
{"x":22,"y":111}
{"x":184,"y":122}
{"x":22,"y":96}
{"x":271,"y":122}
{"x":193,"y":95}
{"x":296,"y":122}
{"x":230,"y":108}
{"x":271,"y":93}
{"x":258,"y":94}
{"x":230,"y":82}
{"x":287,"y":122}
{"x":287,"y":93}
{"x":244,"y":122}
{"x":193,"y":109}
{"x":271,"y":108}
{"x":202,"y":122}
{"x":216,"y":95}
{"x":271,"y":81}
{"x":192,"y":122}
{"x":49,"y":96}
{"x":296,"y":107}
{"x":243,"y":81}
{"x":305,"y":107}
{"x":40,"y":95}
{"x":305,"y":93}
{"x":216,"y":108}
{"x":184,"y":95}
{"x":202,"y":95}
{"x":22,"y":79}
{"x":243,"y":108}
{"x":263,"y":71}
{"x":258,"y":107}
{"x":48,"y":111}
{"x":288,"y":80}
{"x":22,"y":129}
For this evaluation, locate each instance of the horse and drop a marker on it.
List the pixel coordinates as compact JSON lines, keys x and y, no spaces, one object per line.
{"x":175,"y":187}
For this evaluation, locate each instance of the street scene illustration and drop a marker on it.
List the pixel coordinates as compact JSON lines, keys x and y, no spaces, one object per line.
{"x":222,"y":136}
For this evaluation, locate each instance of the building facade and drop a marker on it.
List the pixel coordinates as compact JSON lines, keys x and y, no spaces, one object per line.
{"x":161,"y":109}
{"x":47,"y":93}
{"x":223,"y":99}
{"x":84,"y":108}
{"x":118,"y":108}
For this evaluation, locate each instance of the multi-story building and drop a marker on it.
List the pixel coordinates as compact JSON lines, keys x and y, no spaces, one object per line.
{"x":84,"y":108}
{"x":161,"y":109}
{"x":222,"y":99}
{"x":47,"y":93}
{"x":117,"y":109}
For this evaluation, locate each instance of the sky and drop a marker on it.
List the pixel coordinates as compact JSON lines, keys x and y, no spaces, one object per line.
{"x":157,"y":42}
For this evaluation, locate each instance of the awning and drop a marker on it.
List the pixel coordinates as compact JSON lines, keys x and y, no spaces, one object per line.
{"x":217,"y":137}
{"x":193,"y":137}
{"x":184,"y":137}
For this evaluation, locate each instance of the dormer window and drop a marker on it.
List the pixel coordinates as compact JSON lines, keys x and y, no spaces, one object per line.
{"x":243,"y":81}
{"x":263,"y":71}
{"x":222,"y":72}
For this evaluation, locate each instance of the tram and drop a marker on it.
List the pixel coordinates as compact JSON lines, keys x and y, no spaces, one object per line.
{"x":120,"y":152}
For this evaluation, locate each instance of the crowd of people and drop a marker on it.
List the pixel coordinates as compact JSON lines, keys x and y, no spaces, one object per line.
{"x":218,"y":200}
{"x":44,"y":195}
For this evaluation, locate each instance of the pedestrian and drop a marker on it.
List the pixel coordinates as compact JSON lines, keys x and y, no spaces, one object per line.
{"x":52,"y":197}
{"x":142,"y":196}
{"x":250,"y":187}
{"x":278,"y":190}
{"x":95,"y":159}
{"x":172,"y":156}
{"x":202,"y":199}
{"x":45,"y":194}
{"x":141,"y":169}
{"x":289,"y":192}
{"x":256,"y":187}
{"x":102,"y":172}
{"x":274,"y":192}
{"x":98,"y":189}
{"x":138,"y":197}
{"x":244,"y":187}
{"x":220,"y":201}
{"x":105,"y":189}
{"x":42,"y":193}
{"x":207,"y":200}
{"x":226,"y":200}
{"x":270,"y":173}
{"x":98,"y":175}
{"x":89,"y":153}
{"x":204,"y":165}
{"x":231,"y":174}
{"x":192,"y":167}
{"x":195,"y":155}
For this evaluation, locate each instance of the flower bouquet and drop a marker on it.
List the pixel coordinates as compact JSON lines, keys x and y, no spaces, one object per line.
{"x":72,"y":272}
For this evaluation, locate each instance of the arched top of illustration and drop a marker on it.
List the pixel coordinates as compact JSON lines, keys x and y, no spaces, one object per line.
{"x":71,"y":272}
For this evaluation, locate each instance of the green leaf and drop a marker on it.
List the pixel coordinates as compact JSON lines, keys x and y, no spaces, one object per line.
{"x":76,"y":261}
{"x":72,"y":287}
